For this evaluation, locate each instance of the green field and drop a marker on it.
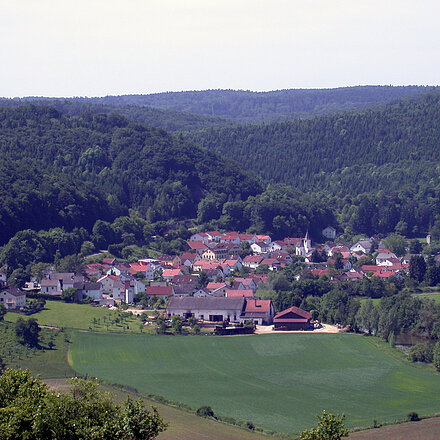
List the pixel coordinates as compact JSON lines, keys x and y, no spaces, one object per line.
{"x":278,"y":382}
{"x":83,"y":317}
{"x":432,"y":295}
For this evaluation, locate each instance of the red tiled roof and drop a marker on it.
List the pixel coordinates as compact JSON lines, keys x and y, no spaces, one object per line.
{"x":370,"y":267}
{"x":236,"y":293}
{"x":258,"y":305}
{"x":215,"y":286}
{"x":296,"y":310}
{"x":252,"y":259}
{"x":171,"y":272}
{"x":197,"y":245}
{"x":159,"y":290}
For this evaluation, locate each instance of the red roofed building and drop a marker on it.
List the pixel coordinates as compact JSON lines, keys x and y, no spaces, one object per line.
{"x":146,"y":270}
{"x":237,"y":293}
{"x":293,"y":318}
{"x":319,"y":272}
{"x":159,"y":291}
{"x":169,"y":274}
{"x":197,"y":246}
{"x":260,"y":311}
{"x":384,"y":274}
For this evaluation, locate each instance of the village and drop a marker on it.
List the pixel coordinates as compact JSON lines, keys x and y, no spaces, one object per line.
{"x":211,"y":282}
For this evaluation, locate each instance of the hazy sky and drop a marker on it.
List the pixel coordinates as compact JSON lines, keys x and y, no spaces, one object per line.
{"x":110,"y":47}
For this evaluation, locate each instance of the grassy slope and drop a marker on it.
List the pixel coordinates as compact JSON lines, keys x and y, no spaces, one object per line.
{"x":277,"y":381}
{"x":80,"y":316}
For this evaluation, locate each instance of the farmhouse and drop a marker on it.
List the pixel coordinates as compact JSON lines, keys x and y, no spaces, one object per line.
{"x":293,"y":318}
{"x":260,"y":311}
{"x":207,"y":308}
{"x":236,"y":309}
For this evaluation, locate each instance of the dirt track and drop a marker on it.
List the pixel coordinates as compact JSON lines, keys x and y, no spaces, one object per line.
{"x":267,"y":329}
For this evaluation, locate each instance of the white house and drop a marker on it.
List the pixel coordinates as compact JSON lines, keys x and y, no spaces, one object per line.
{"x":329,"y":232}
{"x":13,"y":298}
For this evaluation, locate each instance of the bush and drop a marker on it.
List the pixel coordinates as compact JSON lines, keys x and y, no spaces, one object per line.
{"x":205,"y":411}
{"x":413,"y":417}
{"x":421,"y":352}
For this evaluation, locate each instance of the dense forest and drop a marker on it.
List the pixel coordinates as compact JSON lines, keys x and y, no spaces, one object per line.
{"x":168,"y":119}
{"x":345,"y":153}
{"x":263,"y":107}
{"x":69,"y":171}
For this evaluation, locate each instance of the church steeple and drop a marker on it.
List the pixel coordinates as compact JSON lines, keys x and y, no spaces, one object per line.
{"x":307,"y":242}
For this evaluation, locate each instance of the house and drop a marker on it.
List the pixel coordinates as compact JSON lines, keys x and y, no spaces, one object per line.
{"x":161,"y":291}
{"x":260,"y":247}
{"x":187,"y":259}
{"x":13,"y":298}
{"x":244,"y":283}
{"x":250,"y":238}
{"x":252,"y":261}
{"x":201,"y":237}
{"x":260,"y":311}
{"x":132,"y":288}
{"x":113,"y":286}
{"x":217,"y":289}
{"x":219,"y":251}
{"x":329,"y":232}
{"x":180,"y":280}
{"x":237,"y":293}
{"x":213,"y":235}
{"x":93,"y":290}
{"x":230,"y":237}
{"x":292,"y":318}
{"x":147,"y":270}
{"x":271,"y":263}
{"x":198,"y":246}
{"x":169,"y":274}
{"x":50,"y":287}
{"x":264,"y":238}
{"x":383,"y":257}
{"x":207,"y":308}
{"x":363,"y":246}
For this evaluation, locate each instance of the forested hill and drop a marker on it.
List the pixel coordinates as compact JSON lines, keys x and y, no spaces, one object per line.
{"x":167,"y":119}
{"x":256,"y":107}
{"x":69,"y":171}
{"x":343,"y":154}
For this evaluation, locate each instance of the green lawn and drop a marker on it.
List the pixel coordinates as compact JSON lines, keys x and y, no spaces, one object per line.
{"x":279,"y":382}
{"x":83,"y":317}
{"x":432,"y":295}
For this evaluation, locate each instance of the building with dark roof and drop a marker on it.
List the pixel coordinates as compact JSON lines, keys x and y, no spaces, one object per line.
{"x":293,"y":318}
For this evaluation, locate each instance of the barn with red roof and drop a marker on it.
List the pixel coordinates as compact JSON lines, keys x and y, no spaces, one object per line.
{"x":293,"y":318}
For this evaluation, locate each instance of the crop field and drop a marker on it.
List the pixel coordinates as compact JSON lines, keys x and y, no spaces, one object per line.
{"x":84,"y":317}
{"x":279,"y":382}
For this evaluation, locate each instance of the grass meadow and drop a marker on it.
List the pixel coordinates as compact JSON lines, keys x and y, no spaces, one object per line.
{"x":279,"y":382}
{"x":84,"y":317}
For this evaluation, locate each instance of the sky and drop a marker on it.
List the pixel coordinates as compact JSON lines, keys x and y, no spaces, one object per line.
{"x":114,"y":47}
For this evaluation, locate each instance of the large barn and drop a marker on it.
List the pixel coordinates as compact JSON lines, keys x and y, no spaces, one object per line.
{"x":293,"y":318}
{"x":219,"y":309}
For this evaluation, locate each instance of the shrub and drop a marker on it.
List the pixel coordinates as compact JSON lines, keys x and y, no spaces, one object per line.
{"x":413,"y":417}
{"x":421,"y":352}
{"x":205,"y":411}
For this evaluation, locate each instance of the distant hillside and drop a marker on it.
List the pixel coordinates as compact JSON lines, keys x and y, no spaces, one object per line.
{"x":256,"y":107}
{"x":340,"y":154}
{"x":69,"y":171}
{"x":167,"y":119}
